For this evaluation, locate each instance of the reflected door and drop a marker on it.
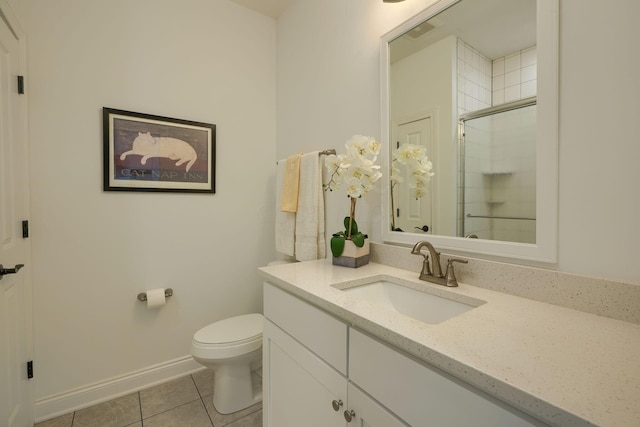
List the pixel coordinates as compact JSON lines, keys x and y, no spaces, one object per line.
{"x":413,"y":214}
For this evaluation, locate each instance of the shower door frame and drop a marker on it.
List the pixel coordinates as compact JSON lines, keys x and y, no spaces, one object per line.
{"x":502,"y":108}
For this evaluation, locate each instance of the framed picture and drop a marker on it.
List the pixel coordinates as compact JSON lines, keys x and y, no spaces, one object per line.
{"x":152,"y":153}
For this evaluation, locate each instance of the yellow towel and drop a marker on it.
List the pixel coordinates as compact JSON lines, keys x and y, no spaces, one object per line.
{"x":291,"y":183}
{"x":285,"y":221}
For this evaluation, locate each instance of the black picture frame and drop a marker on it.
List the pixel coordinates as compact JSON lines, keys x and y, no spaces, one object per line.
{"x":144,"y":152}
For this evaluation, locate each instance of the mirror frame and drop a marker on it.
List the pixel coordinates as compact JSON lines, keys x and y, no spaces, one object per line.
{"x":546,"y":247}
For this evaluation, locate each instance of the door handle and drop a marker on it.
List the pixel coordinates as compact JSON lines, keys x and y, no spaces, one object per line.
{"x":13,"y":270}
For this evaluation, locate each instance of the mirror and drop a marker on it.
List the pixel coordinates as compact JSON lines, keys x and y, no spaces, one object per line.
{"x":470,"y":93}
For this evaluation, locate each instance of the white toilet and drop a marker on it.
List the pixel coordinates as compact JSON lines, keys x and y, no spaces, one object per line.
{"x":231,"y":347}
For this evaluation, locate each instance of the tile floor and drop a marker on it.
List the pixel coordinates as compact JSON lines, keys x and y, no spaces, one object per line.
{"x":184,"y":402}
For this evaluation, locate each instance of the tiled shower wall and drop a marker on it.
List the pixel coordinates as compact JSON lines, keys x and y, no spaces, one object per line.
{"x":483,"y":83}
{"x":514,"y":76}
{"x":474,"y":79}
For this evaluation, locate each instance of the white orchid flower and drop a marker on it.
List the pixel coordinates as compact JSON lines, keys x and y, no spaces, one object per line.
{"x":419,"y":167}
{"x":358,"y":164}
{"x":417,"y":193}
{"x":395,"y":175}
{"x":354,"y":188}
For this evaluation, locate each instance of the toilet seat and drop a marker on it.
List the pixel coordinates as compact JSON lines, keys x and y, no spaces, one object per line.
{"x":230,"y":337}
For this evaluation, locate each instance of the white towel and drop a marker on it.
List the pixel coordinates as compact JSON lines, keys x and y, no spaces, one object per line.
{"x":309,"y":228}
{"x":285,"y":221}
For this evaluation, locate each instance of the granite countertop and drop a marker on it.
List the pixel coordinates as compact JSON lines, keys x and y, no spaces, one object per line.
{"x":563,"y":366}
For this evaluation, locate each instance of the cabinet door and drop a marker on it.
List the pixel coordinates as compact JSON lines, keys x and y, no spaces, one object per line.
{"x":423,"y":395}
{"x":298,"y":386}
{"x":369,"y":413}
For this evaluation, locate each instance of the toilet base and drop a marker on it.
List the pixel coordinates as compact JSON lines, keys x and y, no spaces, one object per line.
{"x":233,"y":388}
{"x":232,"y":348}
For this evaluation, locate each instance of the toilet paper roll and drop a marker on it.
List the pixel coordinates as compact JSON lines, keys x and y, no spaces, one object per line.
{"x":156,"y":298}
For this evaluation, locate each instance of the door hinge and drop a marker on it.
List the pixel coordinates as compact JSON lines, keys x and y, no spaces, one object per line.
{"x":25,"y":229}
{"x":30,"y":369}
{"x":21,"y":85}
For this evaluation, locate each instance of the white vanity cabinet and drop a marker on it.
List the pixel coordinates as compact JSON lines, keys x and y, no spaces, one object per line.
{"x":304,"y":363}
{"x":304,"y":379}
{"x":313,"y":362}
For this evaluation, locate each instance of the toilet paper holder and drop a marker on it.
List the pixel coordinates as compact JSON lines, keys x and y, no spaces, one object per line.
{"x":142,"y":296}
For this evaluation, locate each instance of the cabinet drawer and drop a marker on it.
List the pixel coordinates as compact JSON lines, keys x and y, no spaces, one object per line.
{"x":318,"y":331}
{"x":423,"y":395}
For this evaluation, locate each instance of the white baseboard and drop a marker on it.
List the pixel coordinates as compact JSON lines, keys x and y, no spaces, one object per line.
{"x":82,"y":397}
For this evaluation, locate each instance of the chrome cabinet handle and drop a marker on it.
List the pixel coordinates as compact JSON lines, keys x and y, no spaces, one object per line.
{"x":13,"y":270}
{"x":349,"y":415}
{"x":336,"y":404}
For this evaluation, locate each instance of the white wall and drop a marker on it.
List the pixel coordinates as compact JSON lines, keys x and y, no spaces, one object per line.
{"x":328,"y":74}
{"x":93,"y":251}
{"x":599,"y":148}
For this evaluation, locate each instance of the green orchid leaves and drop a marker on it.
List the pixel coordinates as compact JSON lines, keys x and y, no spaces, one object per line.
{"x":337,"y":244}
{"x":354,"y":225}
{"x":338,"y":239}
{"x":358,"y":239}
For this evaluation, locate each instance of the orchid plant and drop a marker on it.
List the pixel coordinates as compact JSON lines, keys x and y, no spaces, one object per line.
{"x":419,"y":172}
{"x":356,"y":169}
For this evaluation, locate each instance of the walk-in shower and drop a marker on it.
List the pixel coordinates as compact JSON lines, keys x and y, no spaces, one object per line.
{"x":497,"y":181}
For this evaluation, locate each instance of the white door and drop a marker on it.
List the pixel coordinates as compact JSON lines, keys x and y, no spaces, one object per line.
{"x":16,"y":408}
{"x":412,"y":214}
{"x":299,"y":388}
{"x":368,"y":413}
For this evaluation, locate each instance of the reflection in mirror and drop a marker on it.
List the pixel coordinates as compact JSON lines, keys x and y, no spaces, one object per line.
{"x":497,"y":149}
{"x":411,"y":172}
{"x":461,"y":61}
{"x":465,"y":84}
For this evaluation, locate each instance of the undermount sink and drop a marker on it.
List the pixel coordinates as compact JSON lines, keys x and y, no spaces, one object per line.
{"x":414,"y":303}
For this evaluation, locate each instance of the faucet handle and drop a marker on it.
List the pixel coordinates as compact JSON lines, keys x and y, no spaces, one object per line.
{"x":451,"y":280}
{"x":426,"y":270}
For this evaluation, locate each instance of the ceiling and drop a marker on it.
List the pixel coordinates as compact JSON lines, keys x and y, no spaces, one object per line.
{"x":493,"y":27}
{"x":272,"y":8}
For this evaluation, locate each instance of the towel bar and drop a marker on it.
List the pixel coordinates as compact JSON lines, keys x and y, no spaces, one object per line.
{"x":500,"y":217}
{"x":324,"y":152}
{"x":327,"y":152}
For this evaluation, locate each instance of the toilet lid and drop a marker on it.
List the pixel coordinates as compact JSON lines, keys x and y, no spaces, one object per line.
{"x":231,"y":330}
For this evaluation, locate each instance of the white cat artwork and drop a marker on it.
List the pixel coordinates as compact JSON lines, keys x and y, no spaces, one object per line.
{"x":148,"y":146}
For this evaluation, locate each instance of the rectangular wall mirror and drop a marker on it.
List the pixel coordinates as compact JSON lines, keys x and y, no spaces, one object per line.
{"x":472,"y":85}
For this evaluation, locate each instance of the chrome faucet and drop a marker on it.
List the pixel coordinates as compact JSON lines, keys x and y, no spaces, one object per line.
{"x":435,"y":260}
{"x":436,"y":276}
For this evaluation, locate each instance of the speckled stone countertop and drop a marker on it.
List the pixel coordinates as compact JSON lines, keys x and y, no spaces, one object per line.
{"x":563,"y":366}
